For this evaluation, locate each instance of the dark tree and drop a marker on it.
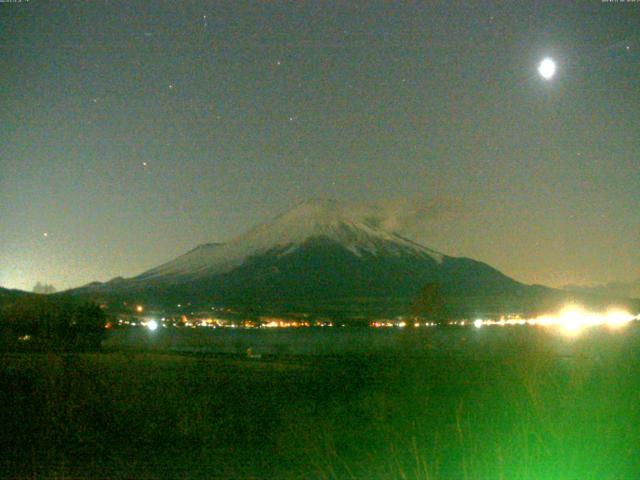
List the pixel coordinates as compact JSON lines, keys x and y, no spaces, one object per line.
{"x":87,"y":326}
{"x":430,"y":304}
{"x":48,"y":324}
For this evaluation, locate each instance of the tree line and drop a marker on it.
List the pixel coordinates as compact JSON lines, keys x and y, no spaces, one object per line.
{"x":44,"y":323}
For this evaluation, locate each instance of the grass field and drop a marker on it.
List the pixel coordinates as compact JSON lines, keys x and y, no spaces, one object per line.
{"x":516,"y":407}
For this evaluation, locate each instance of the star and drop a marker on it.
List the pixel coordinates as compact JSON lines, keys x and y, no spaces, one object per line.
{"x":170,"y":86}
{"x":144,"y":164}
{"x":45,"y":234}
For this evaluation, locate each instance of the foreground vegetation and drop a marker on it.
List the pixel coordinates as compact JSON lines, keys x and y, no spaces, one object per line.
{"x":524,"y":406}
{"x":44,"y":323}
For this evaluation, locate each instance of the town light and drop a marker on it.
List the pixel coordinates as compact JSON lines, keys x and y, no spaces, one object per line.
{"x":152,"y":325}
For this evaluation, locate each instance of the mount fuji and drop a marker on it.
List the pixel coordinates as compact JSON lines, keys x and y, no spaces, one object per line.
{"x":324,"y":257}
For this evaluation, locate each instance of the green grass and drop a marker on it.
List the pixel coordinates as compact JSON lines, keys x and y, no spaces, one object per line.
{"x":522,"y":406}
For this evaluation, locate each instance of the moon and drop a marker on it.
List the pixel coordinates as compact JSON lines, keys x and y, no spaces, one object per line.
{"x":547,"y":68}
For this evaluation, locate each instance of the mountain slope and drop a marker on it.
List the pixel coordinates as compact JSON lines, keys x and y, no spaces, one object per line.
{"x":287,"y":233}
{"x":323,"y":257}
{"x":7,"y":295}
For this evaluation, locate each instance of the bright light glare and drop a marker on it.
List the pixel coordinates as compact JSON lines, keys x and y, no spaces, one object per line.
{"x":152,"y":325}
{"x":571,"y":320}
{"x":618,"y":318}
{"x":547,"y":68}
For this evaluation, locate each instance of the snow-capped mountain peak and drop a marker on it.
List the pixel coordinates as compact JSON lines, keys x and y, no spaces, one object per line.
{"x":351,"y":226}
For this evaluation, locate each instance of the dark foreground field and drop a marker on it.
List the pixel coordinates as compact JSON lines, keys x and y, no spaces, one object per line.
{"x":525,"y":405}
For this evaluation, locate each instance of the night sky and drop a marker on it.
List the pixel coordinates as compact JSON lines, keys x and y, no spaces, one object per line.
{"x":133,"y":131}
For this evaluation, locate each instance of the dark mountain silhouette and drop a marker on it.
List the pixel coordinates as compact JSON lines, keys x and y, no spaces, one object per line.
{"x":326,"y":257}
